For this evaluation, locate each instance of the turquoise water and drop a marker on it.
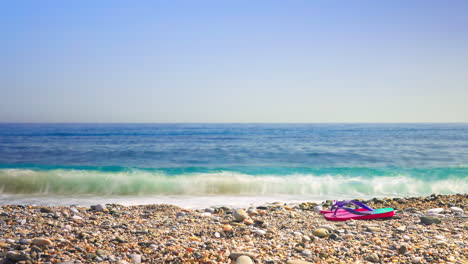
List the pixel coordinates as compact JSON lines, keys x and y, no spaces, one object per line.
{"x":291,"y":161}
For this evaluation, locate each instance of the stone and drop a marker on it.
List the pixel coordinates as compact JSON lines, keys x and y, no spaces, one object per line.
{"x":4,"y":245}
{"x":328,"y":227}
{"x":252,"y":212}
{"x":244,"y":260}
{"x":42,"y":242}
{"x":259,"y":232}
{"x":205,"y":214}
{"x":235,"y":255}
{"x":210,"y":210}
{"x":16,"y":257}
{"x":333,"y":236}
{"x":227,"y":228}
{"x":74,"y":210}
{"x":401,"y":229}
{"x":36,"y":249}
{"x":248,"y":221}
{"x":373,"y":257}
{"x":101,"y":252}
{"x":47,"y":210}
{"x":306,"y":253}
{"x":456,"y":210}
{"x":435,"y":211}
{"x":372,"y":229}
{"x":240,"y":215}
{"x":181,"y":214}
{"x":136,"y":259}
{"x":318,"y":208}
{"x":99,"y":208}
{"x":429,"y":220}
{"x":402,"y":249}
{"x":416,"y":260}
{"x":321,"y":232}
{"x":25,"y":241}
{"x":298,"y":262}
{"x":76,"y":217}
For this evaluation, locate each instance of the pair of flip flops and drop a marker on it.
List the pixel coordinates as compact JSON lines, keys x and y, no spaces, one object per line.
{"x":339,"y":212}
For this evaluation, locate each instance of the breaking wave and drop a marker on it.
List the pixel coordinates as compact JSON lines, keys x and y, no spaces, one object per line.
{"x":314,"y":182}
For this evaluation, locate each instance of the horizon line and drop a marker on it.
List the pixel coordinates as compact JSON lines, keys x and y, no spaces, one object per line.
{"x":234,"y":122}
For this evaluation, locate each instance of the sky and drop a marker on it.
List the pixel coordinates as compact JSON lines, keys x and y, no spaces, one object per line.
{"x":233,"y":61}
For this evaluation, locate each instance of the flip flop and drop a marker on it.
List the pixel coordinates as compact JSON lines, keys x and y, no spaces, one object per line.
{"x":344,"y":213}
{"x":340,"y":205}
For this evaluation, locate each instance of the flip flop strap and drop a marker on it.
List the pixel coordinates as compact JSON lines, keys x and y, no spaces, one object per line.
{"x":355,"y":212}
{"x":340,"y":205}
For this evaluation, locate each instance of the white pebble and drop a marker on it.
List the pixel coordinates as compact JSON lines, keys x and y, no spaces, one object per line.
{"x":259,"y":232}
{"x":435,"y":211}
{"x":205,"y":214}
{"x":456,"y":210}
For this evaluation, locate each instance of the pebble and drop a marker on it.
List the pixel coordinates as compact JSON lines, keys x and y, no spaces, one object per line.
{"x":74,"y":210}
{"x":136,"y":258}
{"x":456,"y":210}
{"x":227,"y":228}
{"x":435,"y":211}
{"x":318,"y":208}
{"x":259,"y":232}
{"x":248,"y":221}
{"x":416,"y":260}
{"x":25,"y":241}
{"x":402,"y":249}
{"x":373,"y":257}
{"x":47,"y":210}
{"x":205,"y":214}
{"x":76,"y":217}
{"x":401,"y":229}
{"x":98,"y":207}
{"x":42,"y":242}
{"x":321,"y":232}
{"x":240,"y":215}
{"x":298,"y":262}
{"x":236,"y":254}
{"x":328,"y":227}
{"x":180,"y":214}
{"x":306,"y":253}
{"x":244,"y":260}
{"x":429,"y":220}
{"x":252,"y":212}
{"x":210,"y":210}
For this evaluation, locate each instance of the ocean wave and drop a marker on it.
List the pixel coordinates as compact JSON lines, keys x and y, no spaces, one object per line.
{"x":222,"y":182}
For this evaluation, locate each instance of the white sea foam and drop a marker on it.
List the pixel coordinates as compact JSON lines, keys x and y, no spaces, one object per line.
{"x":140,"y":182}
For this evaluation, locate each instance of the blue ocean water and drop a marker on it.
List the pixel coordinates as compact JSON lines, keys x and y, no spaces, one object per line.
{"x":224,"y":160}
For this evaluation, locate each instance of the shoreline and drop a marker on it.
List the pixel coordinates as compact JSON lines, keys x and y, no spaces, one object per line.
{"x":274,"y":233}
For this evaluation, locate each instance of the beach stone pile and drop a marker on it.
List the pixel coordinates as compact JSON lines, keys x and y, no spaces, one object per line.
{"x":430,"y":229}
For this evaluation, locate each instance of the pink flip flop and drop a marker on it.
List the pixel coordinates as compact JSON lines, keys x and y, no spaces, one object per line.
{"x":344,"y":213}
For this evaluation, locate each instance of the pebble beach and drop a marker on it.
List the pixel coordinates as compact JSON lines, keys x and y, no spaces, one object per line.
{"x":429,"y":229}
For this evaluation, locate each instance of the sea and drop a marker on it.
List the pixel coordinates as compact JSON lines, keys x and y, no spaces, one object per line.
{"x":202,"y":165}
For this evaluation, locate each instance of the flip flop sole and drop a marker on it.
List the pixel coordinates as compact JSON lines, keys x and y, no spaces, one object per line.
{"x":339,"y":210}
{"x":344,"y":215}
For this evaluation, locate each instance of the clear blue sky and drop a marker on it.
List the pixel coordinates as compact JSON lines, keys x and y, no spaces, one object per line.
{"x":234,"y":61}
